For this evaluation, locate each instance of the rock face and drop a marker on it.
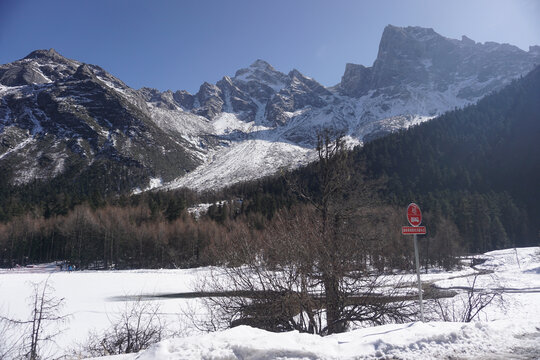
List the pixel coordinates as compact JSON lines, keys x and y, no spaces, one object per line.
{"x":420,"y":57}
{"x":39,"y":67}
{"x":56,"y":112}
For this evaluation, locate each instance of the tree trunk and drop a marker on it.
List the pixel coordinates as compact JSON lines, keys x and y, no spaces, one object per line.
{"x":333,"y":306}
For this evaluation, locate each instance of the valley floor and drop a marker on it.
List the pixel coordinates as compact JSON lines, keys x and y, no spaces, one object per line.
{"x":505,"y":330}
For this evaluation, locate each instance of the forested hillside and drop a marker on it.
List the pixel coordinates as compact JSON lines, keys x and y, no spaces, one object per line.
{"x":479,"y":165}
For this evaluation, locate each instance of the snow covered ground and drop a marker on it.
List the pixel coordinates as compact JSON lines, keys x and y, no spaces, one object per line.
{"x":504,"y":330}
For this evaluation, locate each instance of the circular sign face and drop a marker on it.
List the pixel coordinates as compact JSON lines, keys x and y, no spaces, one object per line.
{"x":414,"y":215}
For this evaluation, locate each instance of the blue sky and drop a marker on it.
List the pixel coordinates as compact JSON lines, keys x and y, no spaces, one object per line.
{"x":180,"y":44}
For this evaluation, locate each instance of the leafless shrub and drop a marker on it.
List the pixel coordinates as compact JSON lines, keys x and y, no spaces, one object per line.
{"x":135,"y":329}
{"x":469,"y":305}
{"x":276,"y":280}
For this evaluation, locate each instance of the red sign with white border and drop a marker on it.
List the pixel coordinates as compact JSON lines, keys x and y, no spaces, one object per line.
{"x":412,"y":230}
{"x":414,"y":215}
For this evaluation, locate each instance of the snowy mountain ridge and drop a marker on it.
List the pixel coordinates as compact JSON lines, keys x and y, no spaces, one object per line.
{"x":56,"y":113}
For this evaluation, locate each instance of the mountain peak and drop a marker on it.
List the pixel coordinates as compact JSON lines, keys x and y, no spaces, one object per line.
{"x":261,"y":71}
{"x":420,"y":56}
{"x":261,"y":64}
{"x":45,"y":54}
{"x":410,"y":32}
{"x":257,"y":67}
{"x":36,"y":68}
{"x":467,"y":40}
{"x":295,"y":73}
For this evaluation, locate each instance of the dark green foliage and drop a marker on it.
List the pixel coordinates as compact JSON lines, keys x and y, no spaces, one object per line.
{"x":174,"y":208}
{"x":479,"y":165}
{"x":78,"y":184}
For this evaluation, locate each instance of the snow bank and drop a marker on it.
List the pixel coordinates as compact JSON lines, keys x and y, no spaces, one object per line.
{"x":404,"y":341}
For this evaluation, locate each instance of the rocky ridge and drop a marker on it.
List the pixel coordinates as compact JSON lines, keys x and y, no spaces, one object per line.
{"x":55,"y":112}
{"x":59,"y":114}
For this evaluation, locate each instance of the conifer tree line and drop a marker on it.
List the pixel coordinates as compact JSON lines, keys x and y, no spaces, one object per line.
{"x":479,"y":166}
{"x":474,"y":172}
{"x":136,"y":236}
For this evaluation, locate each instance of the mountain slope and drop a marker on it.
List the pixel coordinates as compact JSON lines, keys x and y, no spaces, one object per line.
{"x":473,"y":171}
{"x":60,"y":117}
{"x":418,"y":74}
{"x":58,"y":113}
{"x":480,"y":166}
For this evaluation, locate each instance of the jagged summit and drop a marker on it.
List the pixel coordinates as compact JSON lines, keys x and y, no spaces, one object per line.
{"x":38,"y":67}
{"x":416,"y":56}
{"x":261,"y":64}
{"x":48,"y":54}
{"x":411,"y":32}
{"x":296,"y":73}
{"x":260,"y":70}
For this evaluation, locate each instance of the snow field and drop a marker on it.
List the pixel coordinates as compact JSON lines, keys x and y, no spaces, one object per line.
{"x":504,"y":330}
{"x":95,"y":298}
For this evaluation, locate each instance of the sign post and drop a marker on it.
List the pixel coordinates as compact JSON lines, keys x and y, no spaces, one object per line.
{"x":414,"y":216}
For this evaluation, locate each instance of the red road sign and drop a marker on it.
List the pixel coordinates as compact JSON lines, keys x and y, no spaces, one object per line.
{"x":414,"y":215}
{"x":412,"y":230}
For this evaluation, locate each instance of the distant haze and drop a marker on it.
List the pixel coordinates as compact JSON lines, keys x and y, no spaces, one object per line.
{"x":179,"y":45}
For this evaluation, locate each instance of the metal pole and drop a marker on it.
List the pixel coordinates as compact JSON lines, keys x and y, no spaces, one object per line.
{"x":418,"y":277}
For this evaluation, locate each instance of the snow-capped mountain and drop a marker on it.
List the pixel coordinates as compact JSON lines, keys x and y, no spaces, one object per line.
{"x":61,"y":116}
{"x":58,"y":114}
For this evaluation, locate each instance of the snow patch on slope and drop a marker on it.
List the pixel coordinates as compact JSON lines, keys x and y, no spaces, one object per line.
{"x":17,"y":147}
{"x":154,"y":183}
{"x":227,"y":123}
{"x":243,"y":161}
{"x":179,"y":121}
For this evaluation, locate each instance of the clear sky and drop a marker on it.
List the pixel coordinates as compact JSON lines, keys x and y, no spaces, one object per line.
{"x":180,"y":44}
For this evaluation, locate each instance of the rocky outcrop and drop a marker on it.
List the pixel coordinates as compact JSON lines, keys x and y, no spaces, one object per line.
{"x":184,"y":99}
{"x":236,"y":100}
{"x":419,"y":57}
{"x":210,"y":101}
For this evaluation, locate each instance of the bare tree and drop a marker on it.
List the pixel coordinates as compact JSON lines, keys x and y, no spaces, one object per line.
{"x":10,"y":339}
{"x":43,"y":325}
{"x":46,"y":314}
{"x":273,"y":280}
{"x":310,"y":269}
